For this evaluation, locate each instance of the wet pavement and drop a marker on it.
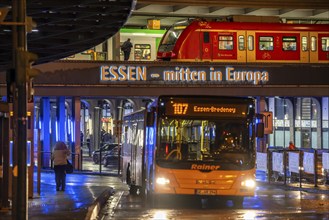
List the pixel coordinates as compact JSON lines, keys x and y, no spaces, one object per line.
{"x":83,"y":193}
{"x":87,"y":192}
{"x":271,"y":201}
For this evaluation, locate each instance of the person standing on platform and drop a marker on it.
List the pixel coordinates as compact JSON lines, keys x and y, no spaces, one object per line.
{"x":292,"y":146}
{"x":126,"y":48}
{"x":59,"y":156}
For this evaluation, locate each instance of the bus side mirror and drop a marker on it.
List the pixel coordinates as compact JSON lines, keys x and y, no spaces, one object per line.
{"x":260,"y":130}
{"x":149,"y":119}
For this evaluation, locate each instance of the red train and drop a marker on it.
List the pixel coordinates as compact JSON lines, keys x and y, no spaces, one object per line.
{"x":245,"y":42}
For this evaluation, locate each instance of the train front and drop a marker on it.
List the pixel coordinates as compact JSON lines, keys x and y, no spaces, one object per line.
{"x":167,"y":45}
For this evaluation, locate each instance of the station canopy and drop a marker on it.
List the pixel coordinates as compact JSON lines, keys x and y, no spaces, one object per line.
{"x":64,"y":27}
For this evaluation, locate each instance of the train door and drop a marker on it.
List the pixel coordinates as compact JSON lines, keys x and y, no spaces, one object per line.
{"x":313,"y":47}
{"x":241,"y":48}
{"x":206,"y":47}
{"x":304,"y":47}
{"x":250,"y":50}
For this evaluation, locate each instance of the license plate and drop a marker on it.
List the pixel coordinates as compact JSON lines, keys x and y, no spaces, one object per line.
{"x":211,"y":192}
{"x":205,"y":182}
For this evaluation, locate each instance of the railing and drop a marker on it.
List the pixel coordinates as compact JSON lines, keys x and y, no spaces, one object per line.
{"x":295,"y":167}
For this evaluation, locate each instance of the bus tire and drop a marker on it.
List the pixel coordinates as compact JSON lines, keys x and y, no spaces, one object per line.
{"x":238,"y":201}
{"x":151,"y":200}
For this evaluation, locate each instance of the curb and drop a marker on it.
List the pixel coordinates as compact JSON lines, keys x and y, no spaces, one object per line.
{"x":98,"y":204}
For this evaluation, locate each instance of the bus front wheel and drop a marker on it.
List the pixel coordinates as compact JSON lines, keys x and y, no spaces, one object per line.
{"x":238,"y":201}
{"x":152,"y":200}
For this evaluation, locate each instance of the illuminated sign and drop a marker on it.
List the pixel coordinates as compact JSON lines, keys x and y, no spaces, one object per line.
{"x":123,"y":73}
{"x":205,"y":109}
{"x":228,"y":75}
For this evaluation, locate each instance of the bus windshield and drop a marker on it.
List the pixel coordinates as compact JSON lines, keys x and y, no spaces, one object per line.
{"x":205,"y":140}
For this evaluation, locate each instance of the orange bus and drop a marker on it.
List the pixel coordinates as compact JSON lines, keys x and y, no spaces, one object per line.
{"x":203,"y":146}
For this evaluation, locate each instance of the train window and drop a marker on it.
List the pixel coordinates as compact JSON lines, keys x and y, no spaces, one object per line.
{"x":225,"y":42}
{"x":205,"y":37}
{"x":266,"y":43}
{"x":304,"y":44}
{"x":241,"y":42}
{"x":289,"y":43}
{"x":250,"y":42}
{"x":325,"y":43}
{"x":313,"y":43}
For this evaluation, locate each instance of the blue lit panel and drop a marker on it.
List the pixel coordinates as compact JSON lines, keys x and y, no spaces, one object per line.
{"x":28,"y":153}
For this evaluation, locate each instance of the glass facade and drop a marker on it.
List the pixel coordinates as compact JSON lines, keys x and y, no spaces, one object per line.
{"x":303,"y":120}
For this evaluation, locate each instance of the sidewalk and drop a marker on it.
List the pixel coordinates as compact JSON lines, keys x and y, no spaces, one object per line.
{"x":261,"y":178}
{"x":82,"y":198}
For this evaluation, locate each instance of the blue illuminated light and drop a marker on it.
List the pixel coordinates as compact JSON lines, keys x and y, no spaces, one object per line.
{"x":72,"y":130}
{"x":57,"y":131}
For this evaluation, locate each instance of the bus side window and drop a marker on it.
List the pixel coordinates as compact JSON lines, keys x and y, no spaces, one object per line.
{"x":206,"y":38}
{"x":304,"y":44}
{"x":250,"y":42}
{"x":313,"y":43}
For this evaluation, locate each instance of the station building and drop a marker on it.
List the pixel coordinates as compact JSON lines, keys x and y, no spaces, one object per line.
{"x":81,"y":97}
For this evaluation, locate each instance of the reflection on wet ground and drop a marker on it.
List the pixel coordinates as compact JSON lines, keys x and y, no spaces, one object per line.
{"x":269,"y":203}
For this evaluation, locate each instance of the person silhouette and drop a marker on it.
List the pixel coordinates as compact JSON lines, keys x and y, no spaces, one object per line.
{"x":126,"y":48}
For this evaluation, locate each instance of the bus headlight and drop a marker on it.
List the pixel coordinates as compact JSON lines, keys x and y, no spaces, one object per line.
{"x":162,"y":181}
{"x":248,"y":183}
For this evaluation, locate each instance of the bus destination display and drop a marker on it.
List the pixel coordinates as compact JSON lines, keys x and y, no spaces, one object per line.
{"x":204,"y":109}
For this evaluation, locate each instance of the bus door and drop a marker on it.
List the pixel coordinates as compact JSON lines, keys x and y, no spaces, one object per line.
{"x":304,"y":48}
{"x":314,"y":58}
{"x":206,"y":53}
{"x":241,"y":46}
{"x":251,"y":44}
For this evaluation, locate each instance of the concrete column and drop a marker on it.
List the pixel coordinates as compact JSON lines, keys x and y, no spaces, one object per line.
{"x":271,"y":108}
{"x":76,"y":117}
{"x":61,"y":118}
{"x":298,"y":120}
{"x":325,"y":122}
{"x":261,"y":142}
{"x":45,"y":131}
{"x":96,"y":126}
{"x":117,"y":119}
{"x":116,"y":47}
{"x":30,"y":150}
{"x":53,"y":123}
